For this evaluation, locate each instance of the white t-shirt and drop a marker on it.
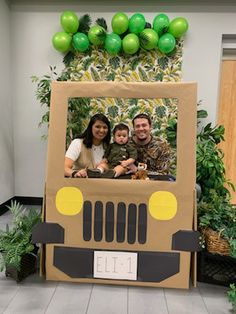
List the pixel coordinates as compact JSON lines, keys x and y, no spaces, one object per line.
{"x":74,"y":150}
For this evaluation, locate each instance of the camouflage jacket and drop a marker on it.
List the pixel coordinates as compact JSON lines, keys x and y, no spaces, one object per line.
{"x":156,"y":154}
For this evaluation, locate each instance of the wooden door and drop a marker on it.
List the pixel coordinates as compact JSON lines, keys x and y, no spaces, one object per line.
{"x":227,"y":117}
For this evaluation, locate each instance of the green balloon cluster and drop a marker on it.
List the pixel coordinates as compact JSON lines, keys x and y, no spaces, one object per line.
{"x":130,"y":44}
{"x":61,"y":41}
{"x":129,"y":34}
{"x":80,"y":42}
{"x":137,"y":23}
{"x":169,"y":31}
{"x":149,"y":39}
{"x":113,"y":43}
{"x":178,"y":27}
{"x":160,"y":24}
{"x":97,"y":35}
{"x":120,"y":23}
{"x":166,"y":43}
{"x":69,"y":22}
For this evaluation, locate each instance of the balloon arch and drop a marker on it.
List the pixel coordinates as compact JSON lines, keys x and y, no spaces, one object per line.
{"x":128,"y":34}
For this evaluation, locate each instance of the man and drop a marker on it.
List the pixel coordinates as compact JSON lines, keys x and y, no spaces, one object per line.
{"x":152,"y":151}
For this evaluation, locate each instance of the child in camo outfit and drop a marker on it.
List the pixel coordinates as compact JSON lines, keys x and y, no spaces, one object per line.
{"x":120,"y":154}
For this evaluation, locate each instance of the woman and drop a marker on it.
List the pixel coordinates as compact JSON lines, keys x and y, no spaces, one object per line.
{"x":87,"y":150}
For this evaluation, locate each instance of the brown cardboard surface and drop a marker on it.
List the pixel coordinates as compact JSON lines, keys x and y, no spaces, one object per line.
{"x":159,"y":232}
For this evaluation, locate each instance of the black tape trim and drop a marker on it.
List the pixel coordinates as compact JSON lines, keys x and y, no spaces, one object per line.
{"x":47,"y":232}
{"x":157,"y":266}
{"x":132,"y":217}
{"x":109,"y":227}
{"x":87,"y":221}
{"x":74,"y":262}
{"x":142,"y":223}
{"x":98,"y":221}
{"x":186,"y":240}
{"x":121,"y":221}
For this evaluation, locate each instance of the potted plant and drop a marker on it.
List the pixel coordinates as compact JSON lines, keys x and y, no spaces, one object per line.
{"x":232,"y":297}
{"x":17,"y":253}
{"x":216,"y":216}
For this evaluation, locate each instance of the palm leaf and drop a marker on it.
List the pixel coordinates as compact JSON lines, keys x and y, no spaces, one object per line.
{"x":114,"y":62}
{"x":143,"y":75}
{"x":68,"y":58}
{"x":84,"y":23}
{"x":101,"y":22}
{"x":94,"y":74}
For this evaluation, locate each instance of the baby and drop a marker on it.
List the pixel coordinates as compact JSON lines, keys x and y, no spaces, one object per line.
{"x":120,"y":154}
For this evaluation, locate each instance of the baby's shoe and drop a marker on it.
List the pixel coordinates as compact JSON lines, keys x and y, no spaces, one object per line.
{"x":108,"y":174}
{"x":94,"y":173}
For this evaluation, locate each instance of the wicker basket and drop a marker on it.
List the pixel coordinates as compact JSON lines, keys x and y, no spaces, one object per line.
{"x":215,"y":243}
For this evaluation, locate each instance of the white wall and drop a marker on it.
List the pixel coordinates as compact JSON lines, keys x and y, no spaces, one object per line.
{"x":32,"y":29}
{"x":6,"y":137}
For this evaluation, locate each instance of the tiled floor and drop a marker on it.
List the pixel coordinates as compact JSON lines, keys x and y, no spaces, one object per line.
{"x":35,"y":295}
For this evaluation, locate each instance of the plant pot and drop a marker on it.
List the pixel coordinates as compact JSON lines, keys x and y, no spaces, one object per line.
{"x":216,"y":269}
{"x":28,"y":267}
{"x":215,"y":243}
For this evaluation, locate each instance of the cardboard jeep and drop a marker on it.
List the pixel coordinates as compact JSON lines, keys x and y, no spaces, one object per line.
{"x":113,"y":231}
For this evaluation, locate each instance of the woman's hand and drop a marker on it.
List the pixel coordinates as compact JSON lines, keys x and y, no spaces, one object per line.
{"x":69,"y":172}
{"x":81,"y":174}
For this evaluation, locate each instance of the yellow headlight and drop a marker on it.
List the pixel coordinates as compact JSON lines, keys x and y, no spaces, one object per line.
{"x":69,"y":201}
{"x":163,"y":205}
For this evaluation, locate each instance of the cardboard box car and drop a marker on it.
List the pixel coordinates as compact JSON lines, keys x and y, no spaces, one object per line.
{"x":137,"y":233}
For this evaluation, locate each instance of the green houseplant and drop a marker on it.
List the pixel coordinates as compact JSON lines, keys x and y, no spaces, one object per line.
{"x":16,"y":248}
{"x":214,"y":209}
{"x":232,"y":297}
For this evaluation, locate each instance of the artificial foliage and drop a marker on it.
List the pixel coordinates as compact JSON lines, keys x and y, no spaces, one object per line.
{"x":98,"y":65}
{"x":15,"y":242}
{"x":214,"y":208}
{"x":231,"y":294}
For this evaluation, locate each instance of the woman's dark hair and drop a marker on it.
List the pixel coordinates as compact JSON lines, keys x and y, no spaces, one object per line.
{"x":87,"y":135}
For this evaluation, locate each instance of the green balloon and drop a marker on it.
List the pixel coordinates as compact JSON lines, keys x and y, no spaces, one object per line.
{"x":166,"y":43}
{"x":113,"y":43}
{"x":61,"y":41}
{"x":120,"y":23}
{"x":130,"y":44}
{"x":178,"y":27}
{"x":69,"y":22}
{"x":137,"y":23}
{"x":97,"y":35}
{"x":80,"y":42}
{"x":160,"y":24}
{"x":148,"y":39}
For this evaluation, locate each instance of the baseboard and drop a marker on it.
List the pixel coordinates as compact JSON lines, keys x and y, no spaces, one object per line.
{"x":24,"y":200}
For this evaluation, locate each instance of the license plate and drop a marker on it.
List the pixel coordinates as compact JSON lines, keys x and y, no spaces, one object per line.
{"x":115,"y":265}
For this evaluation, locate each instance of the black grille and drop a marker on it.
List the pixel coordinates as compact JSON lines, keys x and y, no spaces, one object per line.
{"x":134,"y":228}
